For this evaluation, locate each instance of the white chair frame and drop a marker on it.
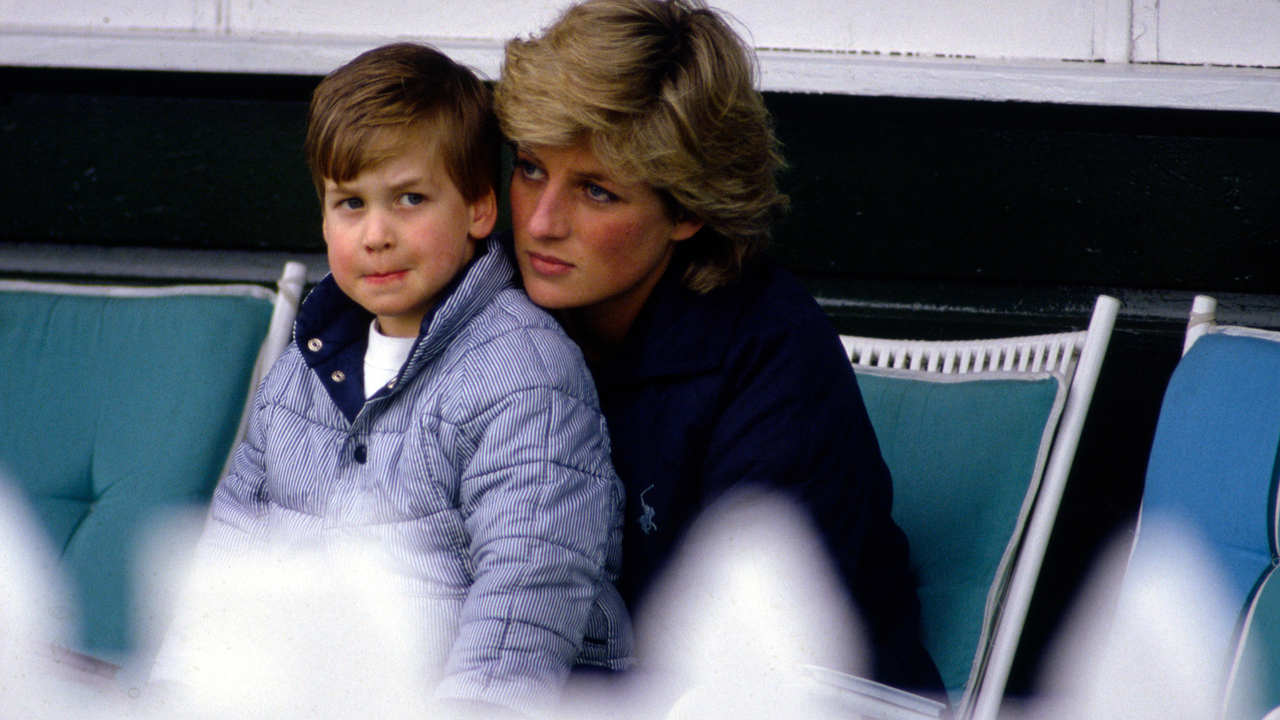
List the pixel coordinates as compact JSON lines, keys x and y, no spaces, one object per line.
{"x":287,"y":299}
{"x":1078,"y":357}
{"x":1204,"y":320}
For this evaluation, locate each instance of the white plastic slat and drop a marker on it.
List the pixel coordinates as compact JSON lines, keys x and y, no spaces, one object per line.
{"x":1022,"y":354}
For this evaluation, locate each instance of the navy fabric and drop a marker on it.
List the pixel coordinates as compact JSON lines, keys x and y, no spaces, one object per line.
{"x":748,"y":386}
{"x":483,"y":471}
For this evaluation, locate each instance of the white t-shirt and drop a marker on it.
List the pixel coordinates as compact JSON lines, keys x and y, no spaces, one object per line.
{"x":384,"y":358}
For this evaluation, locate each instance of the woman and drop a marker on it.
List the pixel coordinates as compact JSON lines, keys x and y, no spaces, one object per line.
{"x":642,"y":195}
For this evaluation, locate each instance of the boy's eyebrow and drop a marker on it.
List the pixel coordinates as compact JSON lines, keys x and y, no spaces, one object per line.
{"x":334,"y":185}
{"x":416,"y":178}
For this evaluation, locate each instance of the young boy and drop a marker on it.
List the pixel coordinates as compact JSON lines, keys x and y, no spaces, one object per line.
{"x":428,"y":405}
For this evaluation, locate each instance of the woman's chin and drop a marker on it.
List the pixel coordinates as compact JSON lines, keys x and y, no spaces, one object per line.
{"x":548,"y":296}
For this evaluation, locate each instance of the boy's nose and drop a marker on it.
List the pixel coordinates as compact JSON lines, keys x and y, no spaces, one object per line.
{"x":379,"y":234}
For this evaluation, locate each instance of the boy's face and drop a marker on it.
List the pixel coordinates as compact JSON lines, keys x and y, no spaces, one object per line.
{"x":398,"y":233}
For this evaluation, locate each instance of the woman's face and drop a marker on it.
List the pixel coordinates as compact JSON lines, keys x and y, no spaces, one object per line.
{"x":588,"y":243}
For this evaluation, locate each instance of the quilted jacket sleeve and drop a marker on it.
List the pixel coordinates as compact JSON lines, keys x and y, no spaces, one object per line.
{"x":542,"y":508}
{"x":238,"y":512}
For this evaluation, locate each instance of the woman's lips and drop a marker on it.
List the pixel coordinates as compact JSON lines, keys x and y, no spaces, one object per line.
{"x":548,"y":265}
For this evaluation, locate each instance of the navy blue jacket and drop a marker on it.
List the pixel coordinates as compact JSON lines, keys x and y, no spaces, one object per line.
{"x":749,"y":386}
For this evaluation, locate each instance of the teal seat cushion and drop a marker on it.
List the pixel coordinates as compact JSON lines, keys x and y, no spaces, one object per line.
{"x":116,"y":408}
{"x":966,"y":453}
{"x":1256,"y":686}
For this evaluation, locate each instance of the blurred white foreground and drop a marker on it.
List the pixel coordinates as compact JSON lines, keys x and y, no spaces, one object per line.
{"x":1160,"y":656}
{"x":749,"y":602}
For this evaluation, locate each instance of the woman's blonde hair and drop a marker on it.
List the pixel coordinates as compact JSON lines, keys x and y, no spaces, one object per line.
{"x":664,"y":90}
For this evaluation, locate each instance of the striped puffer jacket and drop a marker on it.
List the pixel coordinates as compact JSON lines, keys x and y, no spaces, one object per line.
{"x":482,"y":472}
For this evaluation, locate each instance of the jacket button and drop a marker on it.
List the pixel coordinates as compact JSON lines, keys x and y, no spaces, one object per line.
{"x":338,"y":376}
{"x":361,"y":454}
{"x":314,"y":344}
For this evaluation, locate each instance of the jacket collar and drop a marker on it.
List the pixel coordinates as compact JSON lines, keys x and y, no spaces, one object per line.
{"x":332,"y":330}
{"x":678,"y":331}
{"x":470,"y":292}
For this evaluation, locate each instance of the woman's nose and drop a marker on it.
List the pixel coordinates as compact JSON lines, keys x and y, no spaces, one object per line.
{"x":549,"y":217}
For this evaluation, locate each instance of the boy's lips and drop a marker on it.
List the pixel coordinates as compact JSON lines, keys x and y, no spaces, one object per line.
{"x":385,"y":277}
{"x":548,"y":264}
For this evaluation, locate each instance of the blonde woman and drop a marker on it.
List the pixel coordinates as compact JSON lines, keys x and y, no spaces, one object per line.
{"x":642,"y":195}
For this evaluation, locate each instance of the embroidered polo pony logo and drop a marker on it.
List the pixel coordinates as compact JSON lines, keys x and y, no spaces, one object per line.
{"x":646,"y":518}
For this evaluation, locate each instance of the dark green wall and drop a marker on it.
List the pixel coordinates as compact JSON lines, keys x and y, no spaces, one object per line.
{"x":911,"y":218}
{"x":166,"y":160}
{"x":1023,"y":193}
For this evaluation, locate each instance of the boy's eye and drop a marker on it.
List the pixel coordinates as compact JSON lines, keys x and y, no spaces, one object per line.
{"x":413,"y":198}
{"x":351,"y":203}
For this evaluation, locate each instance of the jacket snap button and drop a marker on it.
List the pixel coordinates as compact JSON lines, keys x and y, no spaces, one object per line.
{"x":338,"y":376}
{"x":314,"y":344}
{"x":361,"y":453}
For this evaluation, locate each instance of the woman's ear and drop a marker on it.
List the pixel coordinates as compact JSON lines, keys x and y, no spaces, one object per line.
{"x":685,"y":228}
{"x":484,"y":215}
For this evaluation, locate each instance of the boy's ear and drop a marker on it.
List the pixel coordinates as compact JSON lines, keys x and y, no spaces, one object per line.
{"x":484,"y":215}
{"x":324,"y":217}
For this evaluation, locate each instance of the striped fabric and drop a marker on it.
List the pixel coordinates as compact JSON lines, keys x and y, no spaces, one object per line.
{"x":483,"y":472}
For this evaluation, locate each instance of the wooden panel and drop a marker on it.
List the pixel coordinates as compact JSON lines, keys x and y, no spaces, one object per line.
{"x":199,"y":15}
{"x":1220,"y":32}
{"x":389,"y":19}
{"x":1059,"y":29}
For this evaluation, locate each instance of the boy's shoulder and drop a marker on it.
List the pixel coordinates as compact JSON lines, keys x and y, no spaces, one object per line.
{"x":512,"y":319}
{"x":496,"y":304}
{"x":514,"y":342}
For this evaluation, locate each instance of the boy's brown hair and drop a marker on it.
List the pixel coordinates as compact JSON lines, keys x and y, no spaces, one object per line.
{"x":385,"y":100}
{"x":664,"y":90}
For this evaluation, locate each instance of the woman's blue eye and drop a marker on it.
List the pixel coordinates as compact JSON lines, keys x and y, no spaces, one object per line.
{"x":599,"y":194}
{"x":528,"y":169}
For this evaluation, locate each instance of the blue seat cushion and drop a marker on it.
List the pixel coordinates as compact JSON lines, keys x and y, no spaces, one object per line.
{"x":1213,"y":467}
{"x":115,"y":408}
{"x":965,"y":453}
{"x":1213,"y":459}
